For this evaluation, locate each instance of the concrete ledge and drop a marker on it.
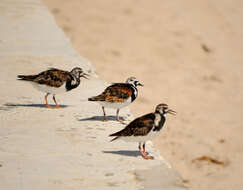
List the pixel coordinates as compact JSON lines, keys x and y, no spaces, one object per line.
{"x":65,"y":148}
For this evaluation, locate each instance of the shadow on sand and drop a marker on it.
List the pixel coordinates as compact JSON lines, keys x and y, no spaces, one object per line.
{"x":32,"y":105}
{"x":131,"y":153}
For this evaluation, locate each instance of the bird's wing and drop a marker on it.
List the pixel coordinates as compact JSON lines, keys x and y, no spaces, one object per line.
{"x":138,"y":127}
{"x":117,"y":92}
{"x":53,"y":77}
{"x":144,"y":125}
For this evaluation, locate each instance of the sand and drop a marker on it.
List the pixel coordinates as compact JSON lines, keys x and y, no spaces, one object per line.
{"x":188,"y":54}
{"x":66,"y":148}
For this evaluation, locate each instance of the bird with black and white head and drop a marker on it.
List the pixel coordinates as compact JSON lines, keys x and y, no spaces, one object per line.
{"x":118,"y":95}
{"x":55,"y":81}
{"x":144,"y":128}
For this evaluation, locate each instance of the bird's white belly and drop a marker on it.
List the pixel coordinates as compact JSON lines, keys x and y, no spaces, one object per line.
{"x":115,"y":105}
{"x":148,"y":137}
{"x":48,"y":89}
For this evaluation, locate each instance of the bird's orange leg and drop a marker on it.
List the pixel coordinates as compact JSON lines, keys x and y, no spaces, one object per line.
{"x":105,"y":118}
{"x":117,"y":116}
{"x":47,"y":105}
{"x":57,"y":106}
{"x":143,"y":152}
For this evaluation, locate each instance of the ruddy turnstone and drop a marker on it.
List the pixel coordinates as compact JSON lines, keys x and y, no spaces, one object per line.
{"x":118,"y":95}
{"x":144,"y":128}
{"x":54,"y":81}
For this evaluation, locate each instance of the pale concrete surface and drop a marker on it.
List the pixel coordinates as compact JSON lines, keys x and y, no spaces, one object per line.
{"x":65,"y":148}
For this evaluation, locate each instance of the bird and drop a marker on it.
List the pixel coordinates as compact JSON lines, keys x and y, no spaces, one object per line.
{"x":144,"y":128}
{"x":54,"y":81}
{"x":118,"y":95}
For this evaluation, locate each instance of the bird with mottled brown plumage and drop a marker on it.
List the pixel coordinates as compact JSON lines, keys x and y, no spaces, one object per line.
{"x":118,"y":95}
{"x":144,"y":128}
{"x":54,"y":81}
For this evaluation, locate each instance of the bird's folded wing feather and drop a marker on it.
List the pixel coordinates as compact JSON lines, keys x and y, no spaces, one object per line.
{"x":53,"y":77}
{"x":117,"y":92}
{"x":138,"y":127}
{"x":144,"y":125}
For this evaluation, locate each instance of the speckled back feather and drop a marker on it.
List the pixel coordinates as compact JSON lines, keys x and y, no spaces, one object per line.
{"x":52,"y":77}
{"x":117,"y":92}
{"x":138,"y":127}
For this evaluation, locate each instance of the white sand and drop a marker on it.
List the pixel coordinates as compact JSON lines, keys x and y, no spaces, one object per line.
{"x":65,"y":148}
{"x":189,"y":55}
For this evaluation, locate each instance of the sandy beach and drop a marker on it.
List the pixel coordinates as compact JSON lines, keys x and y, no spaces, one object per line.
{"x":188,"y":54}
{"x":66,"y":147}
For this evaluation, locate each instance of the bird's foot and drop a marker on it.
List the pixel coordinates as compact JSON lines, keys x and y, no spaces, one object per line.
{"x":48,"y":106}
{"x":145,"y":156}
{"x":121,"y":121}
{"x":105,"y":118}
{"x":57,"y":106}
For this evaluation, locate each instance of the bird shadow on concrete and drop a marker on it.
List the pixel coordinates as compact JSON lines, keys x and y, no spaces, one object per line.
{"x":101,"y":118}
{"x":33,"y":105}
{"x":132,"y":153}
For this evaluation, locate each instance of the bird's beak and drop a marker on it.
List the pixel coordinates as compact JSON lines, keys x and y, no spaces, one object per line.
{"x":171,"y":112}
{"x":85,"y":75}
{"x":139,"y":84}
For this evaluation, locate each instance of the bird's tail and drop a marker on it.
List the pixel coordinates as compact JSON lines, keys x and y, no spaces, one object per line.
{"x":117,"y":135}
{"x":114,"y":139}
{"x":91,"y":99}
{"x":26,"y":77}
{"x":96,"y":98}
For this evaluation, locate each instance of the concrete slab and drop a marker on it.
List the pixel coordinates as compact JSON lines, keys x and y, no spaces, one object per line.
{"x":65,"y":148}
